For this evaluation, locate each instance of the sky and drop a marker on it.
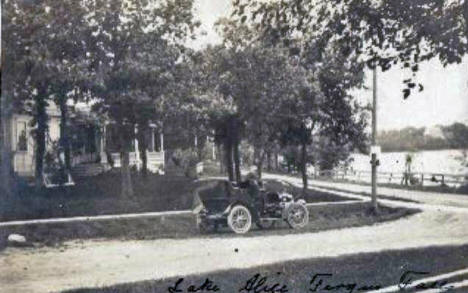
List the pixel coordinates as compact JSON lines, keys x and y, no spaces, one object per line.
{"x":443,"y":101}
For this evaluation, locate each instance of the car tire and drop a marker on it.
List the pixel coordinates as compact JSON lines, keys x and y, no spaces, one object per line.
{"x":239,"y":219}
{"x":297,"y":216}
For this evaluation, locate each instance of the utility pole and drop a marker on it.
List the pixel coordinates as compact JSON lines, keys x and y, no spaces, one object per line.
{"x":374,"y":148}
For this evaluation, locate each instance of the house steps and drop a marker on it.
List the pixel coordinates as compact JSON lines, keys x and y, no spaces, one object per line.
{"x":90,"y":169}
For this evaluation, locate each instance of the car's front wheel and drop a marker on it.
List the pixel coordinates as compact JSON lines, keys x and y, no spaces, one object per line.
{"x":297,"y":216}
{"x":239,"y":219}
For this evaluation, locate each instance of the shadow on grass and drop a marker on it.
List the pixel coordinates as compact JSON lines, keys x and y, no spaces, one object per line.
{"x":100,"y":195}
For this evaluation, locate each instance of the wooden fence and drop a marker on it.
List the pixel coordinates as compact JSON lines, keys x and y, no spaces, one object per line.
{"x":414,"y":178}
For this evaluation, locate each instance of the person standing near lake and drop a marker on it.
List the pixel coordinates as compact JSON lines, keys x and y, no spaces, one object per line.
{"x":407,"y":173}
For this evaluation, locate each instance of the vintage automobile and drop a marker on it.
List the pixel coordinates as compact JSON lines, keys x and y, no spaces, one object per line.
{"x":222,"y":203}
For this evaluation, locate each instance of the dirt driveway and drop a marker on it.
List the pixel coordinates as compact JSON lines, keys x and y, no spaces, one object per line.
{"x":101,"y":263}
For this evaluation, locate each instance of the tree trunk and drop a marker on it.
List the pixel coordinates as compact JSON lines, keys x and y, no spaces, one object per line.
{"x":237,"y":161}
{"x":65,"y":142}
{"x":6,"y":180}
{"x":269,"y":161}
{"x":142,"y":148}
{"x":260,"y":158}
{"x":229,"y":163}
{"x":200,"y":146}
{"x":199,"y":150}
{"x":40,"y":135}
{"x":276,"y":161}
{"x":127,"y":188}
{"x":221,"y":158}
{"x":304,"y":168}
{"x":465,"y":14}
{"x":259,"y":169}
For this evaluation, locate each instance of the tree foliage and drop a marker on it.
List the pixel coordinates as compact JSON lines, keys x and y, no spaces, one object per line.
{"x":42,"y":63}
{"x":285,"y":96}
{"x":136,"y":47}
{"x":382,"y":33}
{"x":121,"y":53}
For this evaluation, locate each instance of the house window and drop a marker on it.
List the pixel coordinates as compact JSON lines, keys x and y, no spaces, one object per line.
{"x":21,"y":136}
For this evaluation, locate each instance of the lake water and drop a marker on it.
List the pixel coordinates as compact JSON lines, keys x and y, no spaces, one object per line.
{"x":440,"y":161}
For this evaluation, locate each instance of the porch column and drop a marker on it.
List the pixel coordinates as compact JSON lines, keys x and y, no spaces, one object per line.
{"x":137,"y":152}
{"x":103,"y":143}
{"x":161,"y":138}
{"x":153,"y":146}
{"x":103,"y":139}
{"x":97,"y":140}
{"x":213,"y":149}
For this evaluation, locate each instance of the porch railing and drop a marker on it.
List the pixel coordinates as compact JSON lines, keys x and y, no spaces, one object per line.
{"x":155,"y":160}
{"x":84,"y":158}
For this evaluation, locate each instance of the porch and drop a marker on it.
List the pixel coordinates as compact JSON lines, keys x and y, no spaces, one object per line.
{"x":110,"y":155}
{"x":92,"y":147}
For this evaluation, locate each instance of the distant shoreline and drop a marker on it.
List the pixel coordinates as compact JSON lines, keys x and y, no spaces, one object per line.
{"x":448,"y":161}
{"x":419,"y":150}
{"x":454,"y":136}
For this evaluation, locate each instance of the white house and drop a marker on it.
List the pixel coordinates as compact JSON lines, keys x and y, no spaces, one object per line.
{"x":91,"y":143}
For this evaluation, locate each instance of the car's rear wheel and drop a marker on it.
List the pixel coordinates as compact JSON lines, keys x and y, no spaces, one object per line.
{"x":297,"y":216}
{"x":239,"y":219}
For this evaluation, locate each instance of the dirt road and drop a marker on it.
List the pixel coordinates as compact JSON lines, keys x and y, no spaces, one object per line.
{"x":429,"y":198}
{"x":101,"y":263}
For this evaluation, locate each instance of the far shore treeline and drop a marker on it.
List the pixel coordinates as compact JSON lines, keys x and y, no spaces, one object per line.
{"x":454,"y":136}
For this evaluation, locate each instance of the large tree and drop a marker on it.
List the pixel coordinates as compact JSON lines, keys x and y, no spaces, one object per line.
{"x":254,"y":76}
{"x":129,"y":38}
{"x":222,"y":112}
{"x":6,"y":182}
{"x":191,"y":104}
{"x":289,"y":95}
{"x":328,"y":111}
{"x":40,"y":60}
{"x":251,"y":80}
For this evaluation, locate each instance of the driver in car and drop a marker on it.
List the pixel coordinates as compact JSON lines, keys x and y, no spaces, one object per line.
{"x":253,"y":189}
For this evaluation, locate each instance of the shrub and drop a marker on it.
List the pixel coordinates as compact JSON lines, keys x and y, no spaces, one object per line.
{"x":187,"y":160}
{"x":211,"y":168}
{"x":54,"y":165}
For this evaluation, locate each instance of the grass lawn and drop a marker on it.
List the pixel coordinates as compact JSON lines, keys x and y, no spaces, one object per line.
{"x":184,"y":226}
{"x":100,"y":195}
{"x":372,"y":269}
